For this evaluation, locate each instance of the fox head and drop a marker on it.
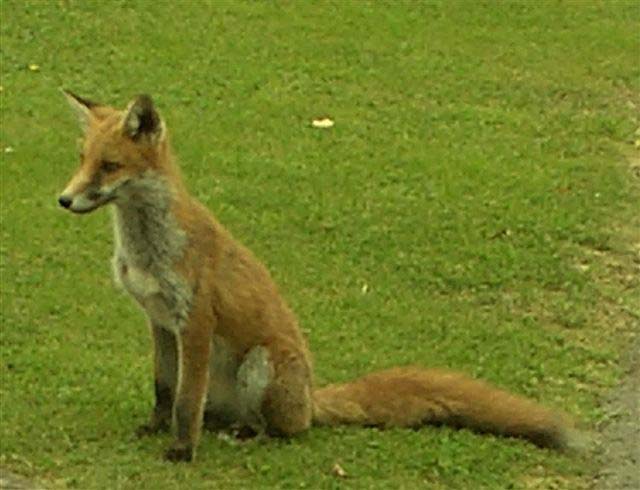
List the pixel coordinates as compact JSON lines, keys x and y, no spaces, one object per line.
{"x":118,"y":146}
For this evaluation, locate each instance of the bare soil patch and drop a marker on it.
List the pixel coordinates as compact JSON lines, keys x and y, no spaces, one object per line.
{"x":618,"y":453}
{"x":11,"y":481}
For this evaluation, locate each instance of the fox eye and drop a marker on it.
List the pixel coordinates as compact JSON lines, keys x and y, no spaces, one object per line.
{"x":109,"y":166}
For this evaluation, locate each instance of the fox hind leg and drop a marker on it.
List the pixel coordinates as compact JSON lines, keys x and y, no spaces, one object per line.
{"x":254,"y":375}
{"x":287,"y":406}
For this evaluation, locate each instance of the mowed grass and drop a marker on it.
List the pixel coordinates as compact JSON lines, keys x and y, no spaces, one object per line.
{"x":471,"y":208}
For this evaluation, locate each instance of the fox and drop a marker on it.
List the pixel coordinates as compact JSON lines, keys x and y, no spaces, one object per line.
{"x":228,"y":350}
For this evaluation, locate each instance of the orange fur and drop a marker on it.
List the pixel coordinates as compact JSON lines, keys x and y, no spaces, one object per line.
{"x":413,"y":397}
{"x":226,"y":343}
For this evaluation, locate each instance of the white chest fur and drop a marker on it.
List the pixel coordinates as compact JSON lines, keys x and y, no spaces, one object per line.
{"x":140,"y":283}
{"x":158,"y":303}
{"x":148,"y":242}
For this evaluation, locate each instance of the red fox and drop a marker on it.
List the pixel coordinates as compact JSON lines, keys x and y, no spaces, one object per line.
{"x":228,"y":350}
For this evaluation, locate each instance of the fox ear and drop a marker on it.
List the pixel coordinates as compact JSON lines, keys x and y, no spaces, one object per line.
{"x":81,"y":106}
{"x":142,"y":121}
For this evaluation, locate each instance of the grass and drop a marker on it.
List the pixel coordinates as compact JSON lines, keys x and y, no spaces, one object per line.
{"x":471,"y":208}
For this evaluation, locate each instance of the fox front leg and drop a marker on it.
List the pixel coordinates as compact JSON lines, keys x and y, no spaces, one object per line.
{"x":165,"y":380}
{"x":195,"y":350}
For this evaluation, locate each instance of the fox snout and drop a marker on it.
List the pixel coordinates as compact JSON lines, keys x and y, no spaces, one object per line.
{"x":82,"y":197}
{"x":85,"y":202}
{"x":81,"y":203}
{"x":65,"y":201}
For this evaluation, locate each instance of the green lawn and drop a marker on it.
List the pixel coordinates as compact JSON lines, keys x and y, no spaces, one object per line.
{"x":471,"y":208}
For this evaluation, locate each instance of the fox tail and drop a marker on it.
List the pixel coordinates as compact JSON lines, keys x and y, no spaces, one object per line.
{"x":413,"y":397}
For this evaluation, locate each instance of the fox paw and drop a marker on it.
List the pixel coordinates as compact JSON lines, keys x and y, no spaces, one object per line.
{"x":152,"y":428}
{"x":179,"y":452}
{"x":245,"y":433}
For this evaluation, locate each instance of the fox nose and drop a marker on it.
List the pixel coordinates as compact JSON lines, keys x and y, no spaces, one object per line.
{"x":65,"y":201}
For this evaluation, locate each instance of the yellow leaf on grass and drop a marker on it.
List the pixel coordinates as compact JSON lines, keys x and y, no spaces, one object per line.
{"x":324,"y":122}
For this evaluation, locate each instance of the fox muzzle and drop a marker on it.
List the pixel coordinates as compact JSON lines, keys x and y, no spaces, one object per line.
{"x":85,"y":197}
{"x":65,"y":202}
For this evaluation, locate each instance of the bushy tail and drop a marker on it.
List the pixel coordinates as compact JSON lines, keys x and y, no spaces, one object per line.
{"x":412,"y":397}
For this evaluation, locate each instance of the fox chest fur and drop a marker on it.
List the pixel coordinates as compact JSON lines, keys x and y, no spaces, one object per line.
{"x":148,"y":240}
